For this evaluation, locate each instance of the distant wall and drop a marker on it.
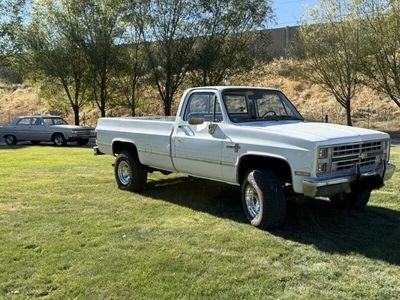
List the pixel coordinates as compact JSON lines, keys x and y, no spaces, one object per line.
{"x":280,"y":39}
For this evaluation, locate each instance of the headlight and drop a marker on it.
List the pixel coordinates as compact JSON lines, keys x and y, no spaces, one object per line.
{"x":323,"y":165}
{"x":322,"y":153}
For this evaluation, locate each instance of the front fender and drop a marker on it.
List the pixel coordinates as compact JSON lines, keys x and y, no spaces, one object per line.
{"x":259,"y":154}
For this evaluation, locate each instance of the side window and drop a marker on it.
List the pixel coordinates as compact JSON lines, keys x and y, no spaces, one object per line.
{"x":201,"y":105}
{"x":24,"y":122}
{"x":59,"y":121}
{"x":36,"y":121}
{"x":47,"y":121}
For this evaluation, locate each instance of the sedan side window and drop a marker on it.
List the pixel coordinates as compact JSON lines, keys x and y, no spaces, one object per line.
{"x":47,"y":121}
{"x":24,"y":122}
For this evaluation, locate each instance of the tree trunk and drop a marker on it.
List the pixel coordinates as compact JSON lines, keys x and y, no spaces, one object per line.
{"x":102,"y":111}
{"x":75,"y":108}
{"x":167,"y":109}
{"x":348,"y":114}
{"x":133,"y":110}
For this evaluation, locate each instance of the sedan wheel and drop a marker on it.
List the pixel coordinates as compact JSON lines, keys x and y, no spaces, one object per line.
{"x":59,"y":140}
{"x":11,"y":140}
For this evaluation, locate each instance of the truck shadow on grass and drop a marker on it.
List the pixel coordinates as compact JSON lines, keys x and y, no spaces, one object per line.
{"x":373,"y":232}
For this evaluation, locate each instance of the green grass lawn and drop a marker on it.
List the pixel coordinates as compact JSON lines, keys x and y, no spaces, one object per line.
{"x":66,"y":231}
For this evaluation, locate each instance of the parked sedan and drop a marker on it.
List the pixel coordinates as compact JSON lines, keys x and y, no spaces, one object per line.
{"x":44,"y":129}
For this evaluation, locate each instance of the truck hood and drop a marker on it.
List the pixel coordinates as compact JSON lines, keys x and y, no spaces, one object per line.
{"x":322,"y":133}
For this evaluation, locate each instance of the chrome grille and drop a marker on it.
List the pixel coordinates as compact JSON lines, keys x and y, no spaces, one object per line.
{"x":366,"y":155}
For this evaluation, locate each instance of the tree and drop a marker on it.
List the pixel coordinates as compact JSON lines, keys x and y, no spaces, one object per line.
{"x":228,"y":36}
{"x":97,"y":32}
{"x":55,"y":54}
{"x":329,"y":43}
{"x":169,"y":30}
{"x":11,"y":24}
{"x":131,"y":71}
{"x":380,"y":65}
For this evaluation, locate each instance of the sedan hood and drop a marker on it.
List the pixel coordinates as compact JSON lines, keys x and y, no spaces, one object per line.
{"x":75,"y":127}
{"x":316,"y":132}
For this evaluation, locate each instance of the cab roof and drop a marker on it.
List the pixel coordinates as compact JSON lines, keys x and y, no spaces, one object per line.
{"x":221,"y":88}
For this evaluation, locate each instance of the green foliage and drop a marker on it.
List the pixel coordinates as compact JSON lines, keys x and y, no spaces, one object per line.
{"x":99,"y":32}
{"x":380,"y":38}
{"x":329,"y":42}
{"x":68,"y":232}
{"x":226,"y":45}
{"x":12,"y":14}
{"x":132,"y":77}
{"x":55,"y":57}
{"x":169,"y":30}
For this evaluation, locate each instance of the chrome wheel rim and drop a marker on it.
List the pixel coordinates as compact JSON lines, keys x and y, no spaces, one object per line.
{"x":9,"y":139}
{"x":124,"y":172}
{"x":58,"y":140}
{"x":252,"y":201}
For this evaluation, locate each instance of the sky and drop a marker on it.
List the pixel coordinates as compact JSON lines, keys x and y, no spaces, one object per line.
{"x":289,"y":12}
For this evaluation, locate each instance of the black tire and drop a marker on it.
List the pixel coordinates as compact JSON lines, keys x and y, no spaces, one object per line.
{"x":357,"y":199}
{"x":59,"y":139}
{"x":35,"y":142}
{"x":264,"y":187}
{"x":130,"y":174}
{"x":11,"y":140}
{"x":82,"y":142}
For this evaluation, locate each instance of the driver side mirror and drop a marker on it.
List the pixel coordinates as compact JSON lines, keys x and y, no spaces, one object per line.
{"x":195,"y":121}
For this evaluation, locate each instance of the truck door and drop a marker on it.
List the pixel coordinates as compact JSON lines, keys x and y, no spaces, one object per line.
{"x":198,"y":138}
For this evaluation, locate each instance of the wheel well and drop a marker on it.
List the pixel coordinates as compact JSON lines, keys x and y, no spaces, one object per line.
{"x":118,"y":147}
{"x":279,"y":166}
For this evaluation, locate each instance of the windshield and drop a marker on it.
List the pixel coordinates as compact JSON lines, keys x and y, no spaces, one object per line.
{"x":249,"y":105}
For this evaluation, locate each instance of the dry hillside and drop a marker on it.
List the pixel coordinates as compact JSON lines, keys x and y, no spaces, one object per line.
{"x":311,"y":100}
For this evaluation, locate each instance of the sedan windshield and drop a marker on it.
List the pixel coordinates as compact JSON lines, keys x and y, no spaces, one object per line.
{"x":249,"y":105}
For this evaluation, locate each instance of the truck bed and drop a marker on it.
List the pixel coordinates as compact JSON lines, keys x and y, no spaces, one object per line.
{"x":151,"y":135}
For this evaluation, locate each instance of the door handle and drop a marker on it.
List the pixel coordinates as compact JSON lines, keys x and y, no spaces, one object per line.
{"x":236,"y":147}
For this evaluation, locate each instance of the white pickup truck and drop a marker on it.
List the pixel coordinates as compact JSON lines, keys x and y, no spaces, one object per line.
{"x":253,"y":137}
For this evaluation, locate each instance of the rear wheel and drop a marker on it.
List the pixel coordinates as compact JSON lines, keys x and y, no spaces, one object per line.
{"x":82,"y":142}
{"x":357,"y":199}
{"x":10,"y":139}
{"x":130,"y":174}
{"x":263,"y":199}
{"x":59,"y":140}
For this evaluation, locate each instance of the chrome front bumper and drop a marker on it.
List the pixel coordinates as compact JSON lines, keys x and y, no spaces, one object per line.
{"x":320,"y":187}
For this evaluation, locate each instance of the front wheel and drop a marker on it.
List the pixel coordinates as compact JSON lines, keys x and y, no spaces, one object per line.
{"x":11,"y":140}
{"x":357,"y":199}
{"x":59,"y":140}
{"x":130,"y":174}
{"x":263,"y":199}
